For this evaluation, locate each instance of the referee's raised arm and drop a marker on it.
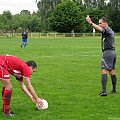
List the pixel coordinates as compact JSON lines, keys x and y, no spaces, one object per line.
{"x":97,"y":27}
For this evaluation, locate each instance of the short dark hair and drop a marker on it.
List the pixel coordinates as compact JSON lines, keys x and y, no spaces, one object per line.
{"x":104,"y":19}
{"x":32,"y":63}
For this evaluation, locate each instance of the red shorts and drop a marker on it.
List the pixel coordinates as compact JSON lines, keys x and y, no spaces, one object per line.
{"x":4,"y":74}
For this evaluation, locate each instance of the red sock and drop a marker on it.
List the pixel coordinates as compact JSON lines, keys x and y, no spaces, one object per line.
{"x":6,"y":100}
{"x":3,"y":88}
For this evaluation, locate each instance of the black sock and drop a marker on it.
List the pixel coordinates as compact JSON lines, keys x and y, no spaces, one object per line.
{"x":114,"y":80}
{"x":22,"y":44}
{"x":104,"y":82}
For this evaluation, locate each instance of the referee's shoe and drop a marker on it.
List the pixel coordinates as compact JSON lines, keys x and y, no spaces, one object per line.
{"x":113,"y":91}
{"x":102,"y":94}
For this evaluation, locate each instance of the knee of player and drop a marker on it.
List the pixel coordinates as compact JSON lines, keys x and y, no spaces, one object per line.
{"x":104,"y":71}
{"x":112,"y":72}
{"x":9,"y":87}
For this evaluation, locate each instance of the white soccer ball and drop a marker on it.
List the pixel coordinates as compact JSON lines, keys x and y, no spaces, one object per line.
{"x":45,"y":105}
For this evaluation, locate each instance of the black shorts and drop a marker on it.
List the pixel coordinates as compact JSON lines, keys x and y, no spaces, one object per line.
{"x":108,"y":60}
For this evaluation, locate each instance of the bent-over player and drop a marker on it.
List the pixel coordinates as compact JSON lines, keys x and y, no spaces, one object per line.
{"x":22,"y":71}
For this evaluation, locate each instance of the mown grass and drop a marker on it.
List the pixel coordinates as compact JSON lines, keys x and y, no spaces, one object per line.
{"x":68,"y":77}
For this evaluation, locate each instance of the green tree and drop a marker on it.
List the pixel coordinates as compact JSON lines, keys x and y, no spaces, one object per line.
{"x":16,"y":22}
{"x":25,"y":19}
{"x":114,"y":4}
{"x":67,"y":17}
{"x":35,"y":23}
{"x":113,"y":8}
{"x":45,"y":9}
{"x":7,"y":20}
{"x":114,"y":16}
{"x":1,"y":23}
{"x":26,"y":12}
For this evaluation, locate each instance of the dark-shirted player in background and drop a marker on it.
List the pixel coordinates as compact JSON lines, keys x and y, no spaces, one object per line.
{"x":24,"y":38}
{"x":22,"y":71}
{"x":108,"y":60}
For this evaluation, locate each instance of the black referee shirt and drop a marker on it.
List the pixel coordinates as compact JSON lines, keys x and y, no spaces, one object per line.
{"x":108,"y":42}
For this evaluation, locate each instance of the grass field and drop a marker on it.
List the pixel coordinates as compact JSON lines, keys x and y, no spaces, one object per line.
{"x":68,"y":77}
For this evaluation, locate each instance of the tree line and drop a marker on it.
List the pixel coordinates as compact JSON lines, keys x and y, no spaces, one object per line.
{"x":62,"y":16}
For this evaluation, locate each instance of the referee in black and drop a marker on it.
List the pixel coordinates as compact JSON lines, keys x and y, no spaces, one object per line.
{"x":108,"y":60}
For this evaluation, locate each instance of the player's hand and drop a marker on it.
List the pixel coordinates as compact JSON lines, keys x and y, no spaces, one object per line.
{"x":38,"y":101}
{"x":88,"y":19}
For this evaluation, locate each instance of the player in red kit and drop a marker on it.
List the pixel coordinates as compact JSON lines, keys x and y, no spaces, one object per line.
{"x":22,"y":71}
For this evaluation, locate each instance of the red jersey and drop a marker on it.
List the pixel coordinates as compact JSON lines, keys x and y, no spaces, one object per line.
{"x":13,"y":65}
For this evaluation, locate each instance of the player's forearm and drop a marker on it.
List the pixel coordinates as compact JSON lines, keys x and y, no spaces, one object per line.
{"x":32,"y":91}
{"x":97,"y":27}
{"x":25,"y":90}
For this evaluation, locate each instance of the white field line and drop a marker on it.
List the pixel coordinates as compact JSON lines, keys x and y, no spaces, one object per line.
{"x":82,"y":54}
